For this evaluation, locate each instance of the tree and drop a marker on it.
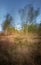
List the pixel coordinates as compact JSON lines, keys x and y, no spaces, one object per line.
{"x":32,"y":14}
{"x":39,"y":30}
{"x":28,"y":16}
{"x":7,"y":22}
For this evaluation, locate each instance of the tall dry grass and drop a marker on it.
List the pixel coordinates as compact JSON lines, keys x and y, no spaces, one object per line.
{"x":21,"y":51}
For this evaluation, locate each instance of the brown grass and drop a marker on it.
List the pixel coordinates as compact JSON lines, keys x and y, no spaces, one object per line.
{"x":20,"y":49}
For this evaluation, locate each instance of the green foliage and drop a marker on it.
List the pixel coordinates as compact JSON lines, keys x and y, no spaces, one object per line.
{"x":11,"y":30}
{"x":39,"y":29}
{"x":7,"y":22}
{"x":32,"y":28}
{"x":25,"y":28}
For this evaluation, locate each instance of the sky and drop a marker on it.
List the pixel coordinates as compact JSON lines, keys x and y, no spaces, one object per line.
{"x":13,"y":6}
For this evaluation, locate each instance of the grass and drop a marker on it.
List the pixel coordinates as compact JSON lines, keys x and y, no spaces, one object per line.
{"x":20,"y":51}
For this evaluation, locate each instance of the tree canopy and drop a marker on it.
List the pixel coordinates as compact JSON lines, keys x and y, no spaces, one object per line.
{"x":28,"y":16}
{"x":7,"y":22}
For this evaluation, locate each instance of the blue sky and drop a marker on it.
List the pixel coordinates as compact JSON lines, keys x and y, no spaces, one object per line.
{"x":13,"y":6}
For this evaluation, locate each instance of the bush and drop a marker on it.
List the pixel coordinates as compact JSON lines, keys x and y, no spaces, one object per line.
{"x":32,"y":28}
